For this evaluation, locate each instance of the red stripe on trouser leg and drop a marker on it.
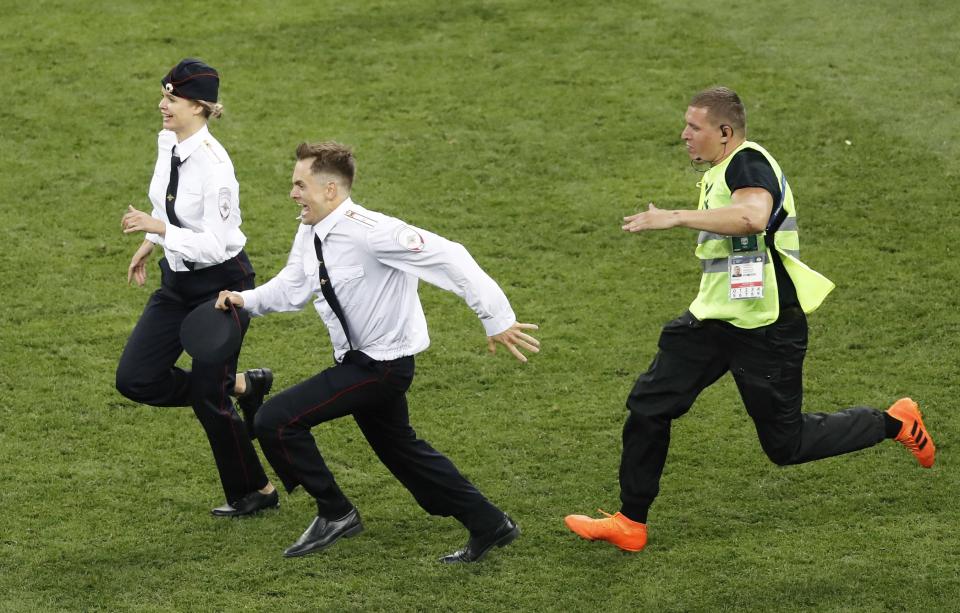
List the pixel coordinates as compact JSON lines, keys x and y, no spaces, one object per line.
{"x":313,"y":409}
{"x":233,"y":424}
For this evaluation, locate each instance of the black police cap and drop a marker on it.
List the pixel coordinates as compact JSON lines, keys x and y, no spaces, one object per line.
{"x":211,"y":335}
{"x":193,"y":79}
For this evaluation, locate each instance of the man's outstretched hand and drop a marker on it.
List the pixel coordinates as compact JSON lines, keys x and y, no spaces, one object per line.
{"x":515,"y":338}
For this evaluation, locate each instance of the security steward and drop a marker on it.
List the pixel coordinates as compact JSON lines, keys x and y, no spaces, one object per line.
{"x":196,"y":219}
{"x":749,"y":318}
{"x":360,"y":269}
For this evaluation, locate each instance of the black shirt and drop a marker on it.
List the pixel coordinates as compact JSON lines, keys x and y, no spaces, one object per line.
{"x":750,"y":168}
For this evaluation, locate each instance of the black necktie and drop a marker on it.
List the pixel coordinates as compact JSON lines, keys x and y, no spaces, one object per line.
{"x":172,"y":188}
{"x":172,"y":194}
{"x":326,"y":288}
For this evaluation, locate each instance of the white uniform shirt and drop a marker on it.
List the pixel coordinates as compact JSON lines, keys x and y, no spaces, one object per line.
{"x":374,"y":262}
{"x":207,"y":205}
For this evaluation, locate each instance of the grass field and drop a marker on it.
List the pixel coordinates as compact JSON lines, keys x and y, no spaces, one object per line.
{"x":525,"y":130}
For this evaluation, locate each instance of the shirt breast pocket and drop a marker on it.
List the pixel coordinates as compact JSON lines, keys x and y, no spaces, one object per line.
{"x":189,"y":204}
{"x":347,"y":283}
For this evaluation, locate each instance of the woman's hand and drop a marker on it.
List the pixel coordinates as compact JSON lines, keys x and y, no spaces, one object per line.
{"x":137,"y":271}
{"x":138,"y":221}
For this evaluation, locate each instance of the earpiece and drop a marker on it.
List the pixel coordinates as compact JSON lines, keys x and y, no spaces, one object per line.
{"x":723,"y":132}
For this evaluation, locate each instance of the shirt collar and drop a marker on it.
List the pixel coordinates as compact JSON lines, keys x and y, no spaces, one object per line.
{"x":193,"y":143}
{"x":323,"y":227}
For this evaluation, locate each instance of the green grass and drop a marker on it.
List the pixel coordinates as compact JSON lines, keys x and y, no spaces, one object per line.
{"x":524,"y":130}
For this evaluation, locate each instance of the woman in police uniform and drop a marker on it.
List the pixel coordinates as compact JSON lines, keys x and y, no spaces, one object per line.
{"x":196,"y":219}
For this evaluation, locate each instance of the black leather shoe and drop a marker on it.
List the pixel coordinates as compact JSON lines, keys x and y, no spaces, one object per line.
{"x":259,"y":382}
{"x":325,"y":532}
{"x":254,"y":502}
{"x":477,"y":547}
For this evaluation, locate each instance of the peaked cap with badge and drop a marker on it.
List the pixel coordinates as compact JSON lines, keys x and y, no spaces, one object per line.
{"x":193,"y":79}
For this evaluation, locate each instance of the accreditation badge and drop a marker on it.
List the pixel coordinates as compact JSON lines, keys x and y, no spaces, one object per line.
{"x":746,"y":276}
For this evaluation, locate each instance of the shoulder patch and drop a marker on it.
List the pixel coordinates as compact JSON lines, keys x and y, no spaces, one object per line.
{"x":410,"y":239}
{"x":224,"y":202}
{"x":212,"y":151}
{"x":359,"y":218}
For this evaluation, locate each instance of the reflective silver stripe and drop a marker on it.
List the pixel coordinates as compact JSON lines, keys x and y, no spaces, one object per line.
{"x":789,"y":225}
{"x":714,"y":265}
{"x":709,"y":236}
{"x":792,"y":252}
{"x":720,"y":264}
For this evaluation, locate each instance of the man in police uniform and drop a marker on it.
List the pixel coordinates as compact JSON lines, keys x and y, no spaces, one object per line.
{"x":748,"y":318}
{"x":360,"y":269}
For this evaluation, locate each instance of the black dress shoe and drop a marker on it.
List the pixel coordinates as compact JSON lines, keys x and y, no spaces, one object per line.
{"x":477,"y":547}
{"x":259,"y":382}
{"x":254,"y":502}
{"x":325,"y":532}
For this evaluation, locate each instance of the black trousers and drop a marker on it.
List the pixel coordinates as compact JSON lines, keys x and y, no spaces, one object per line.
{"x":374,"y":393}
{"x":767,"y":365}
{"x":148,"y":374}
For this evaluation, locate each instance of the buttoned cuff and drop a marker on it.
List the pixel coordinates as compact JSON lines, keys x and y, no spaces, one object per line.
{"x":498,"y":324}
{"x":251,"y":301}
{"x":173,"y":240}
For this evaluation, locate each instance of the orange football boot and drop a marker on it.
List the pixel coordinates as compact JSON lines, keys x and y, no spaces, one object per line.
{"x":623,"y":532}
{"x":913,"y":434}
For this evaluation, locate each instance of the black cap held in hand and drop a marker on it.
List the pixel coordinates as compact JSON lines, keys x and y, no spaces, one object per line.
{"x":192,"y":79}
{"x":211,"y":335}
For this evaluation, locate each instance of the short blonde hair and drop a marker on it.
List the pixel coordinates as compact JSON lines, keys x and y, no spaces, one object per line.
{"x":724,"y":106}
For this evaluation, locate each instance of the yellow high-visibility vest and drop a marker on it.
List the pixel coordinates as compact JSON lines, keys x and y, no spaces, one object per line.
{"x":714,"y":251}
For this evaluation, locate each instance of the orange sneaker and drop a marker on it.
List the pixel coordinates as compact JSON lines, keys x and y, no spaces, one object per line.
{"x":623,"y":532}
{"x":913,"y":435}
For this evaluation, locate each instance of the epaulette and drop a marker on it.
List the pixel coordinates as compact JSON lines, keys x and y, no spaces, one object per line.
{"x":213,"y":152}
{"x":360,"y":218}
